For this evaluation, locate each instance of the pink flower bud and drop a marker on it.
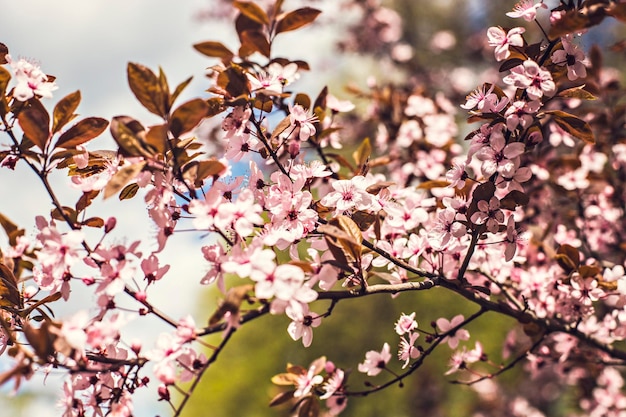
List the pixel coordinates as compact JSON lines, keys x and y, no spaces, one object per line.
{"x":164,"y":393}
{"x":110,"y":224}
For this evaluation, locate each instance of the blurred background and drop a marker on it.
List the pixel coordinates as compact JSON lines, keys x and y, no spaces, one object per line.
{"x":87,"y":46}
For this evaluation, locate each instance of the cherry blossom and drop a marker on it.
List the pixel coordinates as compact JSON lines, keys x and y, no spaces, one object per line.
{"x":31,"y":80}
{"x":502,"y":40}
{"x":375,"y":361}
{"x":572,"y":57}
{"x":535,"y":80}
{"x":406,"y":323}
{"x":446,"y":326}
{"x":526,"y":9}
{"x":349,"y":194}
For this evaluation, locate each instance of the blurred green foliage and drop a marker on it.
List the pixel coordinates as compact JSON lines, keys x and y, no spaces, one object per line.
{"x":238,"y":384}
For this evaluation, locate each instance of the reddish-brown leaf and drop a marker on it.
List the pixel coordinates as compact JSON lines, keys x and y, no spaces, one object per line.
{"x":9,"y":227}
{"x":362,"y":153}
{"x":130,"y":136}
{"x":149,"y":89}
{"x":156,"y":137}
{"x":122,"y":177}
{"x":93,"y":222}
{"x":41,"y":339}
{"x":281,"y":398}
{"x":216,"y":106}
{"x":3,"y":53}
{"x":197,"y":172}
{"x":129,"y":191}
{"x":309,"y":407}
{"x":281,"y":127}
{"x":513,"y":199}
{"x":10,"y":295}
{"x":214,"y":49}
{"x":5,"y":76}
{"x":288,"y":378}
{"x":179,"y":89}
{"x":63,"y":112}
{"x":252,"y":11}
{"x":234,"y":81}
{"x":82,"y":132}
{"x":571,"y":253}
{"x":187,"y":116}
{"x":85,"y":200}
{"x":296,"y":19}
{"x":35,"y":122}
{"x":573,"y":125}
{"x":574,"y":21}
{"x":303,"y":100}
{"x":577,"y":92}
{"x":255,"y":40}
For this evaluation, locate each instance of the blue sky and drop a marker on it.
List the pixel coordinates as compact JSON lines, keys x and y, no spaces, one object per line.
{"x":87,"y":45}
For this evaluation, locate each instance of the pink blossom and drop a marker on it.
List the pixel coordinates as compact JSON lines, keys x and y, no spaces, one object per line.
{"x":302,"y":327}
{"x":489,"y":213}
{"x":348,"y":194}
{"x":407,"y":350}
{"x":285,"y":74}
{"x":72,"y":332}
{"x":535,"y":80}
{"x":572,"y":56}
{"x":302,"y":122}
{"x":456,"y":175}
{"x":526,"y":10}
{"x":484,"y":100}
{"x":375,"y":361}
{"x":420,"y":106}
{"x":333,"y":384}
{"x":499,"y":154}
{"x":236,"y":122}
{"x":306,"y":382}
{"x":270,"y":83}
{"x":445,"y":326}
{"x":241,"y":215}
{"x":338,"y":106}
{"x":31,"y":80}
{"x":151,"y":269}
{"x":460,"y":359}
{"x":406,"y":324}
{"x":503,"y":40}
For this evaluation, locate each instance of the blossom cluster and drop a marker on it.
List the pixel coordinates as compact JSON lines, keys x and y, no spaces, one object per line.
{"x":525,"y":221}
